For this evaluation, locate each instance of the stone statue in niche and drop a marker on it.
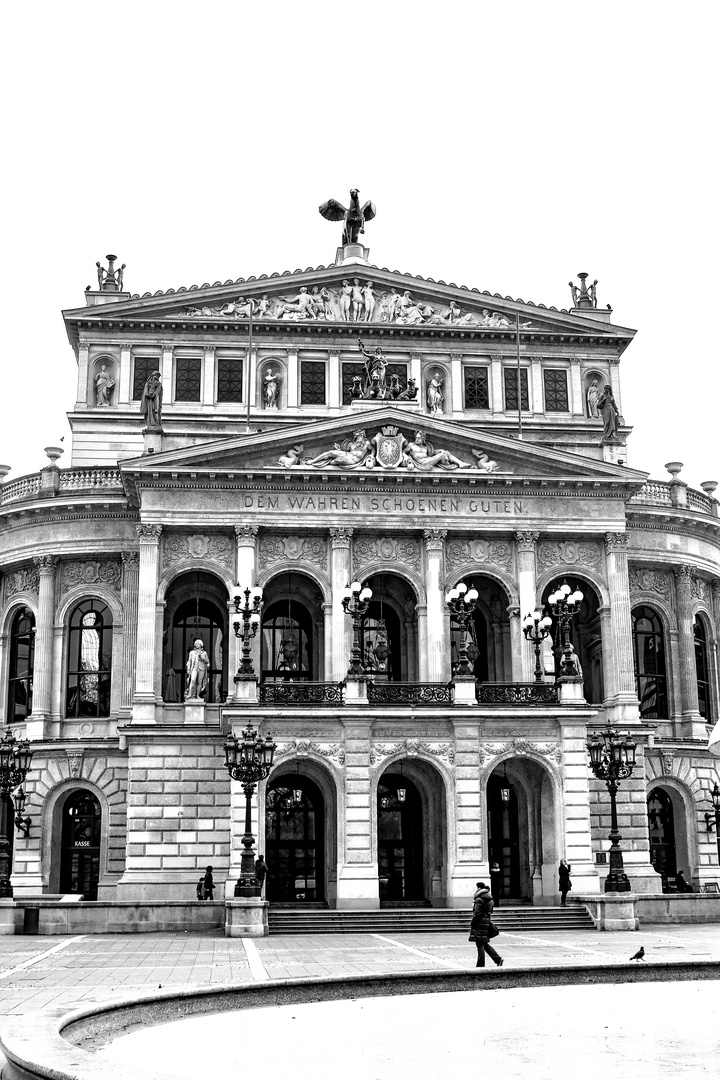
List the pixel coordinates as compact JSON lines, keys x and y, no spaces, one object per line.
{"x":435,"y":395}
{"x":593,"y":396}
{"x":270,"y":391}
{"x":104,"y":384}
{"x":610,"y":413}
{"x":151,"y":402}
{"x":196,"y":671}
{"x":354,"y":217}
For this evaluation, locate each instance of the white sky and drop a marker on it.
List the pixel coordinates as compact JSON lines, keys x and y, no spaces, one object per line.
{"x":506,"y":146}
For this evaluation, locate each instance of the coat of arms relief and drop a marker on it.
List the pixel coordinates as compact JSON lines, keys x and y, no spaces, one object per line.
{"x":388,"y":449}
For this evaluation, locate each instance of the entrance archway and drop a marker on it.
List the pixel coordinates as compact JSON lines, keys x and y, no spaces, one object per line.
{"x":585,"y":634}
{"x":489,"y":644}
{"x":400,"y":840}
{"x":80,"y":844}
{"x":295,"y":840}
{"x":196,"y":607}
{"x":661,"y":829}
{"x":388,"y":630}
{"x":521,"y":831}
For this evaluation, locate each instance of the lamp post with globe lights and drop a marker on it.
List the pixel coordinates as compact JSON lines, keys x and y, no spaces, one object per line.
{"x":249,"y":759}
{"x":565,"y":604}
{"x":15,"y":761}
{"x":715,"y":796}
{"x":536,"y":628}
{"x":246,"y":627}
{"x":355,"y":600}
{"x":461,"y":603}
{"x":612,"y":759}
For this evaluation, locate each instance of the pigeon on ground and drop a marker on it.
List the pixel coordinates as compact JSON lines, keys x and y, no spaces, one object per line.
{"x":639,"y":955}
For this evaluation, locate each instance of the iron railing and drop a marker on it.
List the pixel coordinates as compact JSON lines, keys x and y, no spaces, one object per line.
{"x":516,"y":694}
{"x":406,"y":693}
{"x":301,"y":693}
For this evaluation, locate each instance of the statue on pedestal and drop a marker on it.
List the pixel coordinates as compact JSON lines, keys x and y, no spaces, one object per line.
{"x":151,"y":402}
{"x":196,"y":670}
{"x":271,"y":381}
{"x":610,"y":413}
{"x":435,"y":395}
{"x":354,"y":217}
{"x":103,"y":385}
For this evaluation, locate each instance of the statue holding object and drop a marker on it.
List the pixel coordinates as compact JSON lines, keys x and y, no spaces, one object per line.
{"x":151,"y":402}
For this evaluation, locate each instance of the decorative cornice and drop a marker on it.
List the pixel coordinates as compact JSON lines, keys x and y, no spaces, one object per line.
{"x":148,"y":533}
{"x":616,"y":541}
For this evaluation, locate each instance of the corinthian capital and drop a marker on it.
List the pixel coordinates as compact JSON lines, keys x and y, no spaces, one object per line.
{"x":616,"y":541}
{"x":340,"y":537}
{"x":434,"y":539}
{"x":46,"y":563}
{"x":683,"y":574}
{"x":526,"y":541}
{"x":130,"y":560}
{"x":245,"y":534}
{"x":148,"y":532}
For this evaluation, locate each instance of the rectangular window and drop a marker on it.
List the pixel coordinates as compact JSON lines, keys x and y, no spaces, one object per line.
{"x":396,"y":369}
{"x":143,"y":367}
{"x":188,"y":372}
{"x":312,"y":382}
{"x":229,"y":379}
{"x":556,"y":392}
{"x":511,"y":395}
{"x":348,"y":372}
{"x":476,"y":388}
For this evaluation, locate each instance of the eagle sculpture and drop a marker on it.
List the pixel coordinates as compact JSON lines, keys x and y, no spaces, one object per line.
{"x":354,"y":218}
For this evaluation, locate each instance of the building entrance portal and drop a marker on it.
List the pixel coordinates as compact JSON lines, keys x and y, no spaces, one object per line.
{"x":80,"y":845}
{"x":294,"y":840}
{"x":400,"y":841}
{"x":503,"y":838}
{"x":522,"y":833}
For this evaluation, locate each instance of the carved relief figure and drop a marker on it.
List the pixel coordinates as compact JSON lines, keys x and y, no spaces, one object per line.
{"x":358,"y":300}
{"x":103,"y":386}
{"x":421,"y":455}
{"x":408,"y":312}
{"x":389,"y":306}
{"x":375,"y":365}
{"x":242,"y":308}
{"x":434,"y":394}
{"x":296,"y":307}
{"x":292,"y":457}
{"x":196,"y":671}
{"x":593,"y":396}
{"x":151,"y":402}
{"x":321,"y":304}
{"x":610,"y":414}
{"x":350,"y":454}
{"x":345,"y":300}
{"x":484,"y":463}
{"x":271,"y":381}
{"x":369,"y":301}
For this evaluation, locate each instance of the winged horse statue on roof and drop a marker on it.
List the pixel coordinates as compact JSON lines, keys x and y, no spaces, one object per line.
{"x":354,"y":218}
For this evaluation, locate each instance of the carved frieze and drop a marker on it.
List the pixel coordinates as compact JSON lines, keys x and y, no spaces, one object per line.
{"x":413,"y":747}
{"x":521,"y":746}
{"x":312,"y":549}
{"x":643,"y":580}
{"x":25,"y":580}
{"x":214,"y":548}
{"x":700,"y":590}
{"x":303,"y":747}
{"x":569,"y":553}
{"x":459,"y":552}
{"x":401,"y":550}
{"x":90,"y":572}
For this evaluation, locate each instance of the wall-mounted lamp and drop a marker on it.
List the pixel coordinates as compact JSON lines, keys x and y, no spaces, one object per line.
{"x":22,"y":824}
{"x":709,"y":821}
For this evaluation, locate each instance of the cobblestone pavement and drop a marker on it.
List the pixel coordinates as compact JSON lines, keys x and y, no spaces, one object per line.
{"x":64,"y":972}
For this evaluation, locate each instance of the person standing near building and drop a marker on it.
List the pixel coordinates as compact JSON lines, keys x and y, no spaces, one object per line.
{"x":564,"y":881}
{"x":481,"y":927}
{"x":200,"y":888}
{"x":208,"y":883}
{"x":495,"y":882}
{"x":261,"y":873}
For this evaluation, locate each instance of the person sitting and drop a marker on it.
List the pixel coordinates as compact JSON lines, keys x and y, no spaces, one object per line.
{"x":681,"y":884}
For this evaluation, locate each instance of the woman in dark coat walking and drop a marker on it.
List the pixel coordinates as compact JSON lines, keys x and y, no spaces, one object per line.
{"x":564,"y":881}
{"x":480,"y":925}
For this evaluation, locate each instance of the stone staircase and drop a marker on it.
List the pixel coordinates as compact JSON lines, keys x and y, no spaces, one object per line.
{"x":525,"y":919}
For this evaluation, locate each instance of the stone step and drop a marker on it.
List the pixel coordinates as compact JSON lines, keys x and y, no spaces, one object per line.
{"x":424,"y":920}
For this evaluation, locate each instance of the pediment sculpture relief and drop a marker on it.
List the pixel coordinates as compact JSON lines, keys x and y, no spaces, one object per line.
{"x":388,"y":449}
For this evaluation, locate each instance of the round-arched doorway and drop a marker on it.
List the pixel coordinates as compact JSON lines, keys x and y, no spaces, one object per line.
{"x":400,"y":840}
{"x":661,"y":829}
{"x":294,"y":840}
{"x":80,"y":844}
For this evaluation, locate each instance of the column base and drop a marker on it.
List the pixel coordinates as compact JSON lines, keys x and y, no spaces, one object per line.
{"x":35,"y":726}
{"x":143,"y":710}
{"x":246,"y":690}
{"x":714,"y":741}
{"x":356,"y":690}
{"x":571,"y":690}
{"x":152,"y":441}
{"x":464,"y":691}
{"x":246,"y":917}
{"x":623,"y":709}
{"x":358,"y":886}
{"x":693,"y":726}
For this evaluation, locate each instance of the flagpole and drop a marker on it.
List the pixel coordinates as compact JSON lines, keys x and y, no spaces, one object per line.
{"x":249,"y":362}
{"x":519,"y":386}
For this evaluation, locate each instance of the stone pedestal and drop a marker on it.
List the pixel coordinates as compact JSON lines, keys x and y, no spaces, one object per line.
{"x":246,"y":917}
{"x":152,"y":441}
{"x":194,"y":711}
{"x":611,"y":911}
{"x":464,"y":691}
{"x":356,"y":691}
{"x":358,"y":886}
{"x":571,"y":688}
{"x":7,"y":917}
{"x":246,"y":691}
{"x":352,"y":253}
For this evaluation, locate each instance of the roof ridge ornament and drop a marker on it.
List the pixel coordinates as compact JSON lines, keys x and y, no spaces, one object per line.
{"x":110,"y":280}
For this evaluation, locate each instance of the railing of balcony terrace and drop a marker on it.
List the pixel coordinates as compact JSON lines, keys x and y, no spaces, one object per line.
{"x":400,"y":693}
{"x":301,"y":693}
{"x":516,"y":694}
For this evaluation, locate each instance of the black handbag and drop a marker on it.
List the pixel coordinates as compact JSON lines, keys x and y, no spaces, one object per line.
{"x":493,"y":930}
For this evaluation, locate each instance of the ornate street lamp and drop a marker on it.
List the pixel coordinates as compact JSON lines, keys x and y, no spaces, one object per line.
{"x":565,"y":604}
{"x":355,"y":600}
{"x":715,"y":796}
{"x":249,"y":760}
{"x":536,"y":629}
{"x":612,"y":759}
{"x":461,"y":603}
{"x":249,"y":612}
{"x":15,"y":759}
{"x":22,"y":824}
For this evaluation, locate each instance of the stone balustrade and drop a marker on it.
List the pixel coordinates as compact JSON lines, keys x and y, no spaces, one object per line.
{"x":89,"y":479}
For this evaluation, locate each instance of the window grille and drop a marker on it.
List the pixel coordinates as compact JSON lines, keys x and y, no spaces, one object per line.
{"x":187,"y":378}
{"x":312,"y":382}
{"x":476,"y":388}
{"x":556,"y":392}
{"x":143,"y":368}
{"x":348,"y":372}
{"x":511,"y":394}
{"x":229,"y":380}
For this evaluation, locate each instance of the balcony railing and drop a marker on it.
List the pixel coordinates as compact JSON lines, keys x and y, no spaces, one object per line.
{"x":400,"y":693}
{"x":516,"y":694}
{"x":301,"y":693}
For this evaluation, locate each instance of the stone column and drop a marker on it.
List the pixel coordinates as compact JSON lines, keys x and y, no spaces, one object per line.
{"x":497,"y":403}
{"x":357,"y":877}
{"x":411,"y":637}
{"x":535,"y":389}
{"x":83,"y":364}
{"x":291,"y":400}
{"x":43,"y":671}
{"x":166,"y":369}
{"x":615,"y":381}
{"x":714,"y":741}
{"x":208,"y":391}
{"x":437,"y":639}
{"x":144,"y":698}
{"x":125,"y":388}
{"x":457,"y":382}
{"x":525,"y":547}
{"x":416,"y":373}
{"x":693,"y":723}
{"x":577,"y":403}
{"x":327,"y":643}
{"x":467,"y":862}
{"x":246,"y":575}
{"x":623,"y":698}
{"x":340,"y":578}
{"x":129,"y":601}
{"x":335,"y":383}
{"x":608,"y":663}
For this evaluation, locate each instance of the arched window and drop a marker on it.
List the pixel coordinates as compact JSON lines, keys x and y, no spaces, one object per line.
{"x":701,"y":667}
{"x":89,"y":660}
{"x":197,"y":618}
{"x":286,"y":652}
{"x":649,"y":656}
{"x":661,"y":828}
{"x":22,"y":657}
{"x":380,"y":641}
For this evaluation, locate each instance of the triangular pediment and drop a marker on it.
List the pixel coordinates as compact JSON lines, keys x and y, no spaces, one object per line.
{"x":387,"y":442}
{"x":338,"y":295}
